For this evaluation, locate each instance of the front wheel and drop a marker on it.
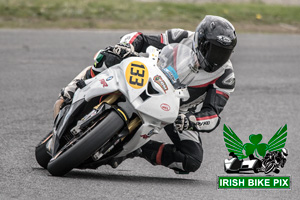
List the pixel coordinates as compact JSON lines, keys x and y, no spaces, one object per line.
{"x":269,"y":167}
{"x":41,"y":154}
{"x":65,"y":161}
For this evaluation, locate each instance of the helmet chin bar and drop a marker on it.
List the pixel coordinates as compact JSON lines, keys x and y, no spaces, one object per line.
{"x":204,"y":63}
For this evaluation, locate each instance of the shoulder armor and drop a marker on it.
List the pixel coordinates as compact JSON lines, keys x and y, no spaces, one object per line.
{"x":176,"y":35}
{"x":128,"y":37}
{"x":227,"y":80}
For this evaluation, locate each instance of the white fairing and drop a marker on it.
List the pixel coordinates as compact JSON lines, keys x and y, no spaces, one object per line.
{"x":133,"y":77}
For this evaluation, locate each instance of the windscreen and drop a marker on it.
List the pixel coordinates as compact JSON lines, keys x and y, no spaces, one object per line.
{"x":179,"y":63}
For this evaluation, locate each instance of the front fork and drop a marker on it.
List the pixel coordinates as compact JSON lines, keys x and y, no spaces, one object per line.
{"x":132,"y":124}
{"x":111,"y":99}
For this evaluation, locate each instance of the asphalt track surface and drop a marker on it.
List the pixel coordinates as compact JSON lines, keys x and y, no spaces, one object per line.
{"x":35,"y":64}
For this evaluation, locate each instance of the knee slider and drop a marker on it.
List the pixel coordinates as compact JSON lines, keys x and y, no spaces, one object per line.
{"x":191,"y":164}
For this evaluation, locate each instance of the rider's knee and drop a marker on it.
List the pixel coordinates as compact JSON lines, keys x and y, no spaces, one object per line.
{"x":191,"y":164}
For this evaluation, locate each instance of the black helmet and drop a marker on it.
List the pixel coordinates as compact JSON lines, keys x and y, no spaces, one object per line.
{"x":214,"y":42}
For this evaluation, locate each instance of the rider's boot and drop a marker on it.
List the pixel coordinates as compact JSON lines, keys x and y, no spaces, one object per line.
{"x":115,"y":162}
{"x":150,"y":152}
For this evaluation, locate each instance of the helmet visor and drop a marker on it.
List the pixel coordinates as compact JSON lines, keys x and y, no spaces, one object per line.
{"x":217,"y":56}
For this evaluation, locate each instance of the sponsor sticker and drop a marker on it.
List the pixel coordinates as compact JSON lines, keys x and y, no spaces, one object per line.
{"x":171,"y":74}
{"x":165,"y":107}
{"x":158,"y":79}
{"x":146,"y":136}
{"x":109,"y":78}
{"x":103,"y":82}
{"x":224,"y":39}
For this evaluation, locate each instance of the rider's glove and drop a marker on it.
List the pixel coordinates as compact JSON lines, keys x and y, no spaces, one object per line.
{"x":67,"y":93}
{"x":185,"y":122}
{"x":124,"y":50}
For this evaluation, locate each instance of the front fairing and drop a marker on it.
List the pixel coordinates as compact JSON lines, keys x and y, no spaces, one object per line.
{"x":149,"y":90}
{"x":146,"y":87}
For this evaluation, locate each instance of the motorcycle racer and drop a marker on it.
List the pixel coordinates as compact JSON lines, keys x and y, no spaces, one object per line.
{"x":213,"y":42}
{"x":276,"y":158}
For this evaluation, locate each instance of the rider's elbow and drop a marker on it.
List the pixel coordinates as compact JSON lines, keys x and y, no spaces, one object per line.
{"x":208,"y":125}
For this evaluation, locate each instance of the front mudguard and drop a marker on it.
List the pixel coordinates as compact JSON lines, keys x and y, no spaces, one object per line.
{"x":62,"y":122}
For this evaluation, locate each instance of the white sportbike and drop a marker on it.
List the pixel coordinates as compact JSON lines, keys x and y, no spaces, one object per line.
{"x":117,"y":111}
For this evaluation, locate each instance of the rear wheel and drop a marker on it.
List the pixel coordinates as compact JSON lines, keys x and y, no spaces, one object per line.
{"x":65,"y":161}
{"x":41,"y":155}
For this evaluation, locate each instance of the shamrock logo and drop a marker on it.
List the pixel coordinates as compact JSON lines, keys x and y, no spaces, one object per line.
{"x":235,"y":145}
{"x":255,"y":147}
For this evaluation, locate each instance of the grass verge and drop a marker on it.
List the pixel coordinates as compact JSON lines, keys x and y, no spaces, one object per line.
{"x":130,"y":14}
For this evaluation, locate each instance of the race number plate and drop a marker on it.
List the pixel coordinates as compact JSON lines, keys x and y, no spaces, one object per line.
{"x":136,"y":74}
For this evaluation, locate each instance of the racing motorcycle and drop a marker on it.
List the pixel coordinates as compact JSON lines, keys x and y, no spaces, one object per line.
{"x":117,"y":111}
{"x":273,"y":160}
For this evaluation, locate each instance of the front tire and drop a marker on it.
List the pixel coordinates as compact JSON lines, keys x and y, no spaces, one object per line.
{"x":269,"y":167}
{"x":86,"y":146}
{"x":41,"y":154}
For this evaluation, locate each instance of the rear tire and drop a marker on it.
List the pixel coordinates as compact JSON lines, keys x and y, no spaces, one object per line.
{"x":85,"y":147}
{"x":41,"y":154}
